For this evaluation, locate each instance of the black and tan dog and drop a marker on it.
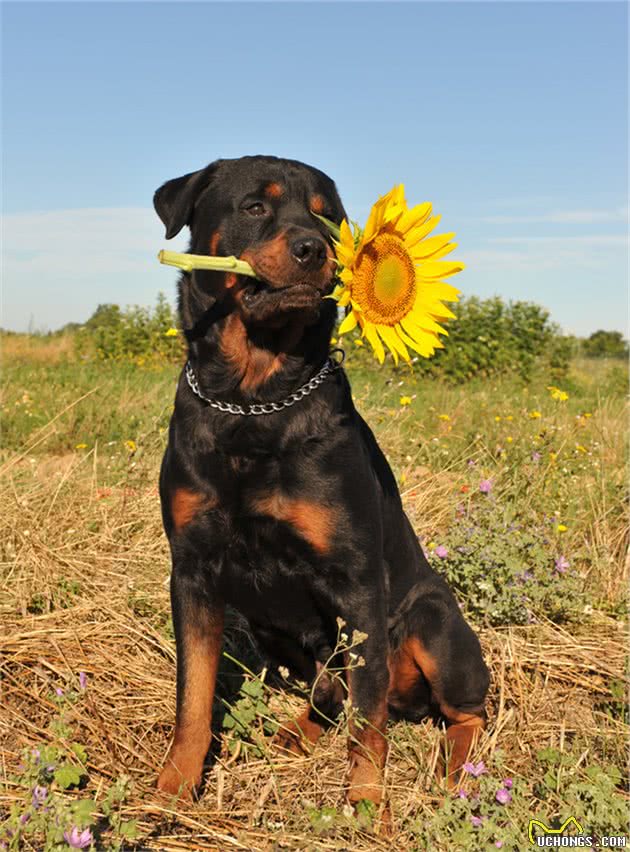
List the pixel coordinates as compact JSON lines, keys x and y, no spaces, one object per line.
{"x":292,"y":516}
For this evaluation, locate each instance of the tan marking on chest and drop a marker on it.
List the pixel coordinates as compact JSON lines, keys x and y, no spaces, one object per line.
{"x":186,"y":504}
{"x":254,"y":365}
{"x":312,"y":521}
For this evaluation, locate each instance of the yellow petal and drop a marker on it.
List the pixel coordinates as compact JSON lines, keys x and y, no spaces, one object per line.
{"x":393,"y":341}
{"x":370,"y":332}
{"x":414,"y":217}
{"x":345,"y":235}
{"x":348,"y":324}
{"x":419,"y":232}
{"x":422,"y":347}
{"x":439,"y":268}
{"x":430,"y":246}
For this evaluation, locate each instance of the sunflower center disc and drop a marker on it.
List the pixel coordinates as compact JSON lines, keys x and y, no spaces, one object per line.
{"x":385,"y":280}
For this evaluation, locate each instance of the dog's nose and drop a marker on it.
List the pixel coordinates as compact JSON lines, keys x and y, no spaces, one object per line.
{"x":310,"y":252}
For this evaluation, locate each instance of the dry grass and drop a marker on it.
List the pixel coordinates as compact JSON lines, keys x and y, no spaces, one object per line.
{"x":39,"y":350}
{"x":94,"y":562}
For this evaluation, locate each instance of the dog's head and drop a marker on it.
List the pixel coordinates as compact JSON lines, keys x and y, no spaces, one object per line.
{"x":259,"y":209}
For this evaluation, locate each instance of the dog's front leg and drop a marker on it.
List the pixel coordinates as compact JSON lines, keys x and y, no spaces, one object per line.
{"x":368,"y":679}
{"x":198,"y":622}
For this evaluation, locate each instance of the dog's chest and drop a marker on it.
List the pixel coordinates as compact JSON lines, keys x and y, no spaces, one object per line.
{"x":282,"y":507}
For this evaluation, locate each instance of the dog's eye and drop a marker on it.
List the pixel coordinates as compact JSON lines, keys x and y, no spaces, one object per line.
{"x":257,"y":208}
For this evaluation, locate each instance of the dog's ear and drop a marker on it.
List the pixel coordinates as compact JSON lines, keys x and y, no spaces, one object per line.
{"x":175,"y":200}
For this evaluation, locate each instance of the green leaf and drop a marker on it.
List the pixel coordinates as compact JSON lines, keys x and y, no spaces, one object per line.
{"x":129,"y":829}
{"x":67,"y":776}
{"x":80,"y":751}
{"x":332,"y":227}
{"x":83,"y":811}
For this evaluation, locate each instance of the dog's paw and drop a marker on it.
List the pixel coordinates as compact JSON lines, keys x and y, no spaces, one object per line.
{"x":290,"y":739}
{"x":175,"y":782}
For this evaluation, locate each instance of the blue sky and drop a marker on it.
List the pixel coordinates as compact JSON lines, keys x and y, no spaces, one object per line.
{"x":510,"y":117}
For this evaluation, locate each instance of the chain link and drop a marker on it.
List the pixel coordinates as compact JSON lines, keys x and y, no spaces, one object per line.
{"x":258,"y":408}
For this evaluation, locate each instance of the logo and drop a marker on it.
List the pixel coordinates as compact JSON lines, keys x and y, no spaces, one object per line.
{"x":553,"y":838}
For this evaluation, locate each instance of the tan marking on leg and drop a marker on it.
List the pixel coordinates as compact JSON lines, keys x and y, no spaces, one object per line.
{"x":404,"y":672}
{"x":367,"y":753}
{"x":462,"y":734}
{"x":185,"y":504}
{"x":297,"y":735}
{"x":312,"y":521}
{"x":182,"y":773}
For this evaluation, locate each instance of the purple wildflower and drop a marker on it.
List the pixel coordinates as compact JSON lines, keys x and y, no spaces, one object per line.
{"x":561,"y":564}
{"x":36,"y":755}
{"x":536,"y":457}
{"x":508,"y":783}
{"x":462,"y":794}
{"x":503,"y":796}
{"x":25,"y":818}
{"x":471,"y":462}
{"x":485,"y":486}
{"x":82,"y":680}
{"x":59,"y":691}
{"x":39,"y":795}
{"x":476,"y":821}
{"x":78,"y":839}
{"x":475,"y":769}
{"x":441,"y":551}
{"x":498,"y":844}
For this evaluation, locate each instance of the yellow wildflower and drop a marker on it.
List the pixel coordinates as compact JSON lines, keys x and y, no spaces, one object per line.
{"x":80,"y":446}
{"x":405,"y":400}
{"x":444,"y":417}
{"x":509,"y":439}
{"x":131,"y":446}
{"x":534,"y":415}
{"x":557,"y":394}
{"x":172,"y":332}
{"x":497,"y":419}
{"x":561,"y":528}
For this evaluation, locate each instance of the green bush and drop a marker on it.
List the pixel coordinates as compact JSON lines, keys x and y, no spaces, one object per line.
{"x":605,"y":344}
{"x":491,"y":337}
{"x":135,"y":334}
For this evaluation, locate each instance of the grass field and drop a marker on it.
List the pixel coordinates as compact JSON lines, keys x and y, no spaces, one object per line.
{"x":537,"y":556}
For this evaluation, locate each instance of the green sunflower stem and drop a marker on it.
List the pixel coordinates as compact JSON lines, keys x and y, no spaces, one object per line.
{"x":188,"y":262}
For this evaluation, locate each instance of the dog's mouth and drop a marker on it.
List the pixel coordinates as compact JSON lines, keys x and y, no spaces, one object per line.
{"x":261,"y":300}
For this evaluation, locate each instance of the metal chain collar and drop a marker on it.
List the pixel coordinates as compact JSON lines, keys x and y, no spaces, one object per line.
{"x":267,"y":407}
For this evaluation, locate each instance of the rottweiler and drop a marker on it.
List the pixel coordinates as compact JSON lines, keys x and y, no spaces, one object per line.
{"x":276,"y":498}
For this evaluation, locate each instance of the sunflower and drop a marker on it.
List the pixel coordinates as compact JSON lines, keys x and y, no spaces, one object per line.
{"x":391,"y":275}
